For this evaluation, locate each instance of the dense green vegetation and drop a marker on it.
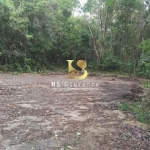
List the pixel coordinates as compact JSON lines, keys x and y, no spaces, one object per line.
{"x":112,"y":35}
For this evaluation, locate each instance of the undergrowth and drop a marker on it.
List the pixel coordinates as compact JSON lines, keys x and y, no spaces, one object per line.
{"x":141,"y":109}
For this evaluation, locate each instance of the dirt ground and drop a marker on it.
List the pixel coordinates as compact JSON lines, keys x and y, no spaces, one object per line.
{"x":36,"y":116}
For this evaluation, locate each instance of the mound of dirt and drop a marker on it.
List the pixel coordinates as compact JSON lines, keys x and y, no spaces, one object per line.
{"x":131,"y":97}
{"x":134,"y":94}
{"x":136,"y":89}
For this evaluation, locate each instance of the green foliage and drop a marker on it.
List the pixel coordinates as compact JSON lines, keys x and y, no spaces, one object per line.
{"x":125,"y":107}
{"x":18,"y":67}
{"x":144,"y":66}
{"x":34,"y":35}
{"x":146,"y":84}
{"x":144,"y":62}
{"x":141,"y":109}
{"x":145,"y":45}
{"x":27,"y":65}
{"x":93,"y":66}
{"x":111,"y":63}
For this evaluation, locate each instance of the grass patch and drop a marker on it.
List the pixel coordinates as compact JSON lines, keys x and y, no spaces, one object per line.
{"x":141,"y":109}
{"x":146,"y":84}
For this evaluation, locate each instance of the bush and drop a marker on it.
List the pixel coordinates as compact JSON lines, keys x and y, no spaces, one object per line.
{"x":111,"y":63}
{"x":144,"y":65}
{"x":27,"y":65}
{"x":144,"y":62}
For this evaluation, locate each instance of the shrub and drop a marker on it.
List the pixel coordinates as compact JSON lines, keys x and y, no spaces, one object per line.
{"x":111,"y":63}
